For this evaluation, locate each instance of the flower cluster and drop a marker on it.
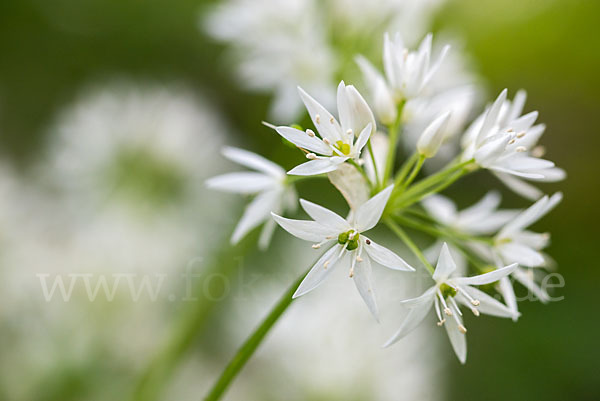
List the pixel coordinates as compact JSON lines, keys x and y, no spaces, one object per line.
{"x":480,"y":251}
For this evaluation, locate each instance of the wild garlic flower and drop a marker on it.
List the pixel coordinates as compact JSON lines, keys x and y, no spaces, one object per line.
{"x":337,"y":141}
{"x":407,"y":73}
{"x":446,"y":295}
{"x":345,"y":237}
{"x":503,"y":141}
{"x":268,"y":182}
{"x":482,"y":217}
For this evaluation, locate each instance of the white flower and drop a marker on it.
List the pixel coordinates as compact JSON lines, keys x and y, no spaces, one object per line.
{"x":516,"y":244}
{"x":268,"y":183}
{"x":406,"y":73}
{"x":344,"y":237}
{"x":444,"y":296}
{"x":503,"y":141}
{"x":431,"y":139}
{"x":338,"y":142}
{"x":481,"y":218}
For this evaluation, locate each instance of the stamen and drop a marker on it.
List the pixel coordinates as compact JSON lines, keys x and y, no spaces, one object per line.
{"x":358,"y":258}
{"x":436,"y":303}
{"x":331,"y":120}
{"x":521,"y":149}
{"x":455,"y":306}
{"x":310,"y":133}
{"x":311,"y":156}
{"x":462,"y":329}
{"x":512,"y":141}
{"x":350,"y":132}
{"x":326,"y":141}
{"x":318,"y":119}
{"x":368,"y":242}
{"x":521,"y":134}
{"x":447,"y":310}
{"x":326,"y":264}
{"x":472,"y":300}
{"x":510,"y":130}
{"x":316,"y":246}
{"x":475,"y":311}
{"x":441,"y":322}
{"x":538,"y":151}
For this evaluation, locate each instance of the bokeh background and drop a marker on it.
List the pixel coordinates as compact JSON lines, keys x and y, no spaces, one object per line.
{"x":52,"y":54}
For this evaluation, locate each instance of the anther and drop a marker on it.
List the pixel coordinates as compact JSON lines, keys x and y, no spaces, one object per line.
{"x":325,"y":264}
{"x":316,"y":246}
{"x":475,"y":311}
{"x":331,"y":120}
{"x":510,"y":130}
{"x":349,"y":132}
{"x":521,"y":149}
{"x":311,"y":156}
{"x":512,"y":141}
{"x":462,"y":329}
{"x":475,"y":302}
{"x":359,"y":259}
{"x":310,"y":133}
{"x":351,"y":272}
{"x":521,"y":134}
{"x":538,"y":151}
{"x":441,"y":322}
{"x":447,"y":311}
{"x":326,"y":141}
{"x":368,"y":242}
{"x":318,"y":119}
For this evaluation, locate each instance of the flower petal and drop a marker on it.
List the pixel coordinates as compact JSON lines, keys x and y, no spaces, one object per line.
{"x":384,"y":256}
{"x":369,"y":213}
{"x":364,"y":284}
{"x":445,"y":265}
{"x":519,"y":186}
{"x":325,"y":217}
{"x":440,"y":208}
{"x":487,"y":304}
{"x":256,"y":212}
{"x":319,"y":271}
{"x":457,"y":339}
{"x":242,"y":182}
{"x":487,"y":277}
{"x":354,"y":111}
{"x":304,"y":229}
{"x":323,"y":120}
{"x":508,"y":293}
{"x":304,"y":141}
{"x":415,"y":316}
{"x":253,"y":161}
{"x":318,"y":166}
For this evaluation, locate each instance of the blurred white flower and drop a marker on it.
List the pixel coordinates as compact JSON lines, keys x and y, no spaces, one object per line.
{"x":345,"y":238}
{"x":269,"y":183}
{"x":431,"y":139}
{"x":444,"y":296}
{"x":339,"y":141}
{"x":502,"y":140}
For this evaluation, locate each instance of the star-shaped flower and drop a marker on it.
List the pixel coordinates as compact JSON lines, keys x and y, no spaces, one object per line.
{"x":447,"y":293}
{"x":503,"y":141}
{"x":345,"y":237}
{"x":337,"y":141}
{"x":268,"y":183}
{"x":407,"y":73}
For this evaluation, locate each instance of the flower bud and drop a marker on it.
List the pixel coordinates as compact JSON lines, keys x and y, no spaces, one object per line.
{"x":432,"y":137}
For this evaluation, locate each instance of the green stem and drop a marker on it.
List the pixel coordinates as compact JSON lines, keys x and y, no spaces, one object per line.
{"x":362,"y":172}
{"x":393,"y":131}
{"x":251,"y":344}
{"x":404,"y":170}
{"x":409,"y":242}
{"x":414,"y":172}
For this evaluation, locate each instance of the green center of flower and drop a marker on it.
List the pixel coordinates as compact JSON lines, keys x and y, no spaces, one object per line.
{"x":343,"y":147}
{"x":350,"y":239}
{"x":447,"y":291}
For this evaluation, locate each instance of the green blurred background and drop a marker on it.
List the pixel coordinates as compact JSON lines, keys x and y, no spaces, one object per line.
{"x":50,"y":49}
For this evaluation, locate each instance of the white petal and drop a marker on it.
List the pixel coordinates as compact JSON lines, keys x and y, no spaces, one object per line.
{"x":369,"y":213}
{"x":315,"y":167}
{"x":323,"y":120}
{"x":354,"y":111}
{"x":521,"y":254}
{"x":431,"y":139}
{"x":385,"y":257}
{"x":256,"y":212}
{"x":253,"y":161}
{"x":364,"y":284}
{"x":487,"y":304}
{"x":304,"y":229}
{"x":457,"y":339}
{"x":242,"y":182}
{"x":487,"y":277}
{"x":440,"y":208}
{"x":519,"y":186}
{"x":531,"y":215}
{"x":517,"y":105}
{"x":415,"y":316}
{"x":508,"y":293}
{"x":325,"y":217}
{"x":527,"y":280}
{"x":491,"y":117}
{"x":302,"y":140}
{"x":319,"y":271}
{"x":363,"y":138}
{"x":266,"y":234}
{"x":491,"y":149}
{"x":445,"y":265}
